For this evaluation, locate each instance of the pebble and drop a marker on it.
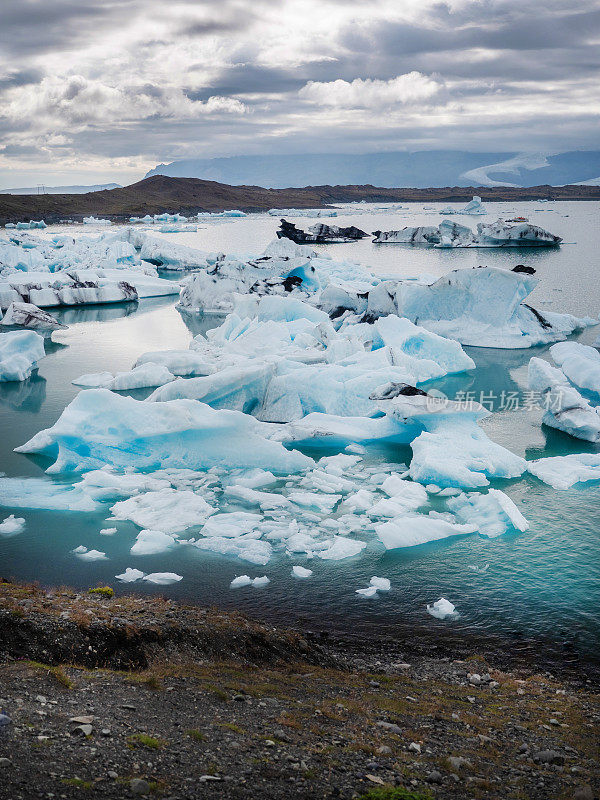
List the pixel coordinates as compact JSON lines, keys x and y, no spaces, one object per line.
{"x":85,"y":720}
{"x":475,"y":679}
{"x":139,"y":786}
{"x":549,"y":757}
{"x":5,"y":762}
{"x":83,"y":730}
{"x":434,"y":777}
{"x":112,"y":775}
{"x":4,"y":720}
{"x":458,"y":762}
{"x":414,"y":747}
{"x":389,"y":726}
{"x":584,"y":793}
{"x":384,"y":750}
{"x":239,"y":698}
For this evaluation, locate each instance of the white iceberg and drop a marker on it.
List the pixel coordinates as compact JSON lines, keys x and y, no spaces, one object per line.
{"x":442,"y":609}
{"x":20,"y":352}
{"x":12,"y":525}
{"x":564,"y":407}
{"x":149,"y":543}
{"x":130,"y":575}
{"x":580,"y":363}
{"x":240,"y":581}
{"x":168,"y":510}
{"x":413,"y":530}
{"x":474,"y":207}
{"x":43,"y":493}
{"x":493,"y":513}
{"x":562,"y":472}
{"x":89,"y":555}
{"x":301,"y":572}
{"x":381,"y":584}
{"x":370,"y":591}
{"x":100,"y":427}
{"x":163,"y":578}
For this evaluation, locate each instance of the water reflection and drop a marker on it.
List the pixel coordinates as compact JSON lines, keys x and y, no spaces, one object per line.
{"x":27,"y":396}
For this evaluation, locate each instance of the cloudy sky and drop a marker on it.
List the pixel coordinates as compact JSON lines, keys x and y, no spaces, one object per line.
{"x":103,"y":90}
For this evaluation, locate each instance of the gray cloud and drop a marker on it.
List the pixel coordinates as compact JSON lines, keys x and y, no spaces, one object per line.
{"x":123,"y":85}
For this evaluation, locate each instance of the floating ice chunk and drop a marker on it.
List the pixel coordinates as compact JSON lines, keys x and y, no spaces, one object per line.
{"x":382,"y":584}
{"x":231,"y":524}
{"x":442,"y":609}
{"x":163,"y":578}
{"x":342,"y":547}
{"x":288,"y":309}
{"x":484,"y":308}
{"x":241,"y":580}
{"x":169,"y":510}
{"x":259,"y":582}
{"x":460,"y":454}
{"x":149,"y":543}
{"x":494,"y":513}
{"x":141,"y":377}
{"x":29,"y":316}
{"x":20,"y":352}
{"x":473,"y":207}
{"x":411,"y":531}
{"x":266,"y":500}
{"x":42,"y":493}
{"x":256,"y":551}
{"x":409,"y":494}
{"x":565,"y":408}
{"x":301,"y":572}
{"x":93,"y":221}
{"x":89,"y":555}
{"x":130,"y":575}
{"x":315,"y":500}
{"x":370,"y":591}
{"x":256,"y":479}
{"x":562,"y":472}
{"x":183,"y":363}
{"x":93,"y":380}
{"x":12,"y":525}
{"x":104,"y":484}
{"x":359,"y":501}
{"x":108,"y":531}
{"x":580,"y":363}
{"x":499,"y":234}
{"x":100,"y":427}
{"x":477,"y":568}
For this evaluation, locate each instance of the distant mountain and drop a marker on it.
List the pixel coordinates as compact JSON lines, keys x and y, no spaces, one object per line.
{"x":418,"y":170}
{"x":161,"y":193}
{"x":96,"y":187}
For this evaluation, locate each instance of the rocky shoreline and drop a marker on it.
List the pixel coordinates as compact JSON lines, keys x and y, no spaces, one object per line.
{"x":136,"y":696}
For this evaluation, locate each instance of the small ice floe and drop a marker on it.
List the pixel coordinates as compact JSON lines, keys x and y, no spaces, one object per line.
{"x":239,"y":581}
{"x":476,"y":568}
{"x":92,"y":380}
{"x":442,"y":609}
{"x":259,"y":582}
{"x":301,"y":572}
{"x":370,"y":591}
{"x":130,"y":575}
{"x":562,"y":472}
{"x":108,"y":531}
{"x":28,"y":315}
{"x":89,"y":555}
{"x":382,"y":584}
{"x":12,"y":525}
{"x":163,"y":578}
{"x":149,"y":542}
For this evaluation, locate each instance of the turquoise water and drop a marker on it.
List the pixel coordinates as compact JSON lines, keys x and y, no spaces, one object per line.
{"x":541,"y":591}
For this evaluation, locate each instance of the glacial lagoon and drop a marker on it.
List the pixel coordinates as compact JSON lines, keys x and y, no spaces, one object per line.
{"x":531,"y":590}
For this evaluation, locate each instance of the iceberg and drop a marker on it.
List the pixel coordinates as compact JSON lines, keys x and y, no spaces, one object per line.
{"x":413,"y":530}
{"x":130,"y":575}
{"x":370,"y":591}
{"x":564,"y":407}
{"x":20,"y":352}
{"x":301,"y":572}
{"x":381,"y":584}
{"x":473,"y":208}
{"x":89,"y":555}
{"x":42,"y":493}
{"x":319,"y":234}
{"x":99,"y":427}
{"x":494,"y":513}
{"x":302,"y":212}
{"x":450,"y":234}
{"x":149,"y":542}
{"x":442,"y":609}
{"x":580,"y":363}
{"x":26,"y":315}
{"x":168,"y":510}
{"x":562,"y":472}
{"x":12,"y":525}
{"x":163,"y":578}
{"x":93,"y":221}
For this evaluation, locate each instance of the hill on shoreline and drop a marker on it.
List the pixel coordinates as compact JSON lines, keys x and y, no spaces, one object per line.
{"x":160,"y":194}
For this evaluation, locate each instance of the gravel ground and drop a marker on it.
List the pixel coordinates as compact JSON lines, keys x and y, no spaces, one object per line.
{"x":124,"y":697}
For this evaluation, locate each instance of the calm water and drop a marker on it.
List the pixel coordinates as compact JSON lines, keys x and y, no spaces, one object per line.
{"x":542,"y":587}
